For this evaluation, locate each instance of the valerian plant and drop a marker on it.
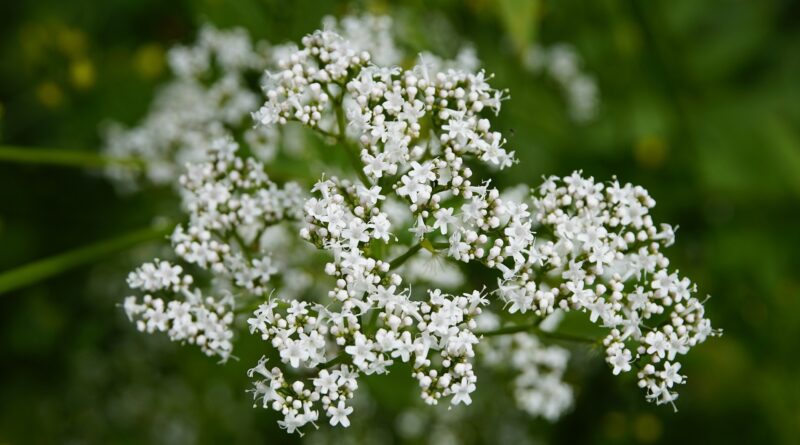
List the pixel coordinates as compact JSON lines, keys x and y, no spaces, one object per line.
{"x":352,"y":299}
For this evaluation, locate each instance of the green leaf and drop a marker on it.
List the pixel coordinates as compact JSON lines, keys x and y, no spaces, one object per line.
{"x":520,"y":19}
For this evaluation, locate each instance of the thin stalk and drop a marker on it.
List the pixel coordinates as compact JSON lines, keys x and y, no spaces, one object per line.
{"x":48,"y":267}
{"x":245,"y":248}
{"x":352,"y":152}
{"x":513,"y":329}
{"x":565,"y":337}
{"x":534,"y":328}
{"x":355,"y":161}
{"x":341,"y":358}
{"x":441,"y":245}
{"x":63,"y":157}
{"x":397,"y":262}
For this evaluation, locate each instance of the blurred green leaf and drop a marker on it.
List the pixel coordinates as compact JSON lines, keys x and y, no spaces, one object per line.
{"x":520,"y":19}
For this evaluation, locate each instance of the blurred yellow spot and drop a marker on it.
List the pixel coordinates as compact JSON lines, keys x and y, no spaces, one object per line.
{"x":378,"y":7}
{"x":479,"y":5}
{"x":647,"y":428}
{"x":71,"y":42}
{"x":650,"y":151}
{"x":149,"y":60}
{"x":615,"y":425}
{"x":49,"y":94}
{"x":81,"y":74}
{"x":627,"y":37}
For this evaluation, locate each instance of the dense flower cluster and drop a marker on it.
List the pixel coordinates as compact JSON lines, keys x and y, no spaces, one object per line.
{"x":599,"y":246}
{"x":205,"y":322}
{"x":420,"y":332}
{"x":563,"y":64}
{"x":231,"y":203}
{"x":229,"y":198}
{"x":413,"y":136}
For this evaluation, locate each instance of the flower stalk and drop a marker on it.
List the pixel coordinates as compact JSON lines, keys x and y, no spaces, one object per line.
{"x":42,"y":269}
{"x":65,"y":158}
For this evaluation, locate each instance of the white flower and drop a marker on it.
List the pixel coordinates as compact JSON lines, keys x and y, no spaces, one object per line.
{"x":462,"y":391}
{"x":338,"y":414}
{"x":620,"y":360}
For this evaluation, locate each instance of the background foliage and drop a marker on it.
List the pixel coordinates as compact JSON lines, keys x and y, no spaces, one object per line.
{"x":700,"y":103}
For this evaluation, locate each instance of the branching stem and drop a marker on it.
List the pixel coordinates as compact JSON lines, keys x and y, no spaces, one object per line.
{"x":397,"y":262}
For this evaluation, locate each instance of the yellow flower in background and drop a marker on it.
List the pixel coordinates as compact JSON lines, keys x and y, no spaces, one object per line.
{"x":82,"y":74}
{"x":51,"y":46}
{"x":650,"y":151}
{"x":70,"y":41}
{"x":148,"y":61}
{"x":647,"y":428}
{"x":50,"y":94}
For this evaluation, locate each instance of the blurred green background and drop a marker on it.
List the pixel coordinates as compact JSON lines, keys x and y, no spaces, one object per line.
{"x":699,"y":103}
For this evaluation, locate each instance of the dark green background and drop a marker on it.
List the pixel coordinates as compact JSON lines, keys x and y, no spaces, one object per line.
{"x":700,"y":103}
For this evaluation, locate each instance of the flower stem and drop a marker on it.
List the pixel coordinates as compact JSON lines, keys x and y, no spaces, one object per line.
{"x":341,"y":358}
{"x":48,"y":267}
{"x":534,"y":328}
{"x":351,"y":151}
{"x":62,"y":157}
{"x":513,"y":329}
{"x":565,"y":337}
{"x":397,"y":262}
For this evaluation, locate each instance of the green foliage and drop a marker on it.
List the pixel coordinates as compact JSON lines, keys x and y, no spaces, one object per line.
{"x":520,"y":20}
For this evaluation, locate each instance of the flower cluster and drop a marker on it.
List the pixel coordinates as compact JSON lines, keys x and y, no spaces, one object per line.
{"x":413,"y":136}
{"x":599,"y":252}
{"x":231,"y":203}
{"x":371,"y":33}
{"x":229,"y":198}
{"x":434,"y":335}
{"x":210,"y":96}
{"x":370,"y":322}
{"x":562,"y":63}
{"x":206,"y":322}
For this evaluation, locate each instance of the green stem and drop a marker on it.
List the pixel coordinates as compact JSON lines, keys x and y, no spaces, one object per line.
{"x":513,"y":329}
{"x":352,"y":152}
{"x":534,"y":328}
{"x":245,"y":248}
{"x":397,"y":262}
{"x":341,"y":358}
{"x":441,"y":245}
{"x":63,"y":157}
{"x":48,"y":267}
{"x":565,"y":337}
{"x":355,"y":161}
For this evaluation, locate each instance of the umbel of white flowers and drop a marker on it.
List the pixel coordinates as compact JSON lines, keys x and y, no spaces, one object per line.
{"x":572,"y":244}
